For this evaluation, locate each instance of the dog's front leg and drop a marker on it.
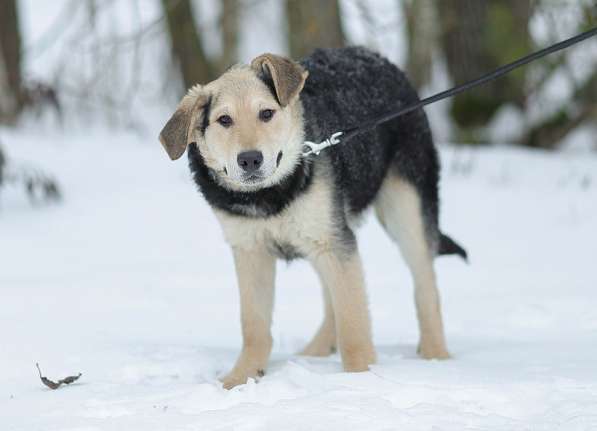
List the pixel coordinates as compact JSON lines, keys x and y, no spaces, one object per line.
{"x":343,"y":275}
{"x":255,"y":270}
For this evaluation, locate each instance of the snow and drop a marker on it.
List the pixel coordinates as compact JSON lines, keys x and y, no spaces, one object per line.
{"x":128,"y":281}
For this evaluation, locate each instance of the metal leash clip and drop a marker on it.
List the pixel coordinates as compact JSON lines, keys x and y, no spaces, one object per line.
{"x":313,"y":148}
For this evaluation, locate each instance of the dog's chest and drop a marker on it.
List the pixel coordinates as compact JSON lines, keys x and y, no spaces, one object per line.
{"x":303,"y":228}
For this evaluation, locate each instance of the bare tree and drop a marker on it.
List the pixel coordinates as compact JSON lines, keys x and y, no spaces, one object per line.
{"x":313,"y":24}
{"x":185,"y":42}
{"x":11,"y":100}
{"x":13,"y":97}
{"x":229,"y":25}
{"x":421,"y":25}
{"x":11,"y":94}
{"x":2,"y":165}
{"x":478,"y":36}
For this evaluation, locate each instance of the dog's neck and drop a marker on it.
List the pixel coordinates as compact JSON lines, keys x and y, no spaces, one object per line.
{"x":261,"y":203}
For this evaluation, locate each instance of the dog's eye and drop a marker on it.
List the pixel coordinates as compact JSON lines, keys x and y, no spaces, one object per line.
{"x":266,"y":114}
{"x":225,"y":120}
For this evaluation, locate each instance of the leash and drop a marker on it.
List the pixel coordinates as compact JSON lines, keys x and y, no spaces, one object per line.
{"x":334,"y":139}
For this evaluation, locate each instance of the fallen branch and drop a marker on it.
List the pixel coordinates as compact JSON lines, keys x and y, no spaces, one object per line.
{"x":55,"y":385}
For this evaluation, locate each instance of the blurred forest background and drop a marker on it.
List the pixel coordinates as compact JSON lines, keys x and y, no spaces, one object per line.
{"x":115,"y":61}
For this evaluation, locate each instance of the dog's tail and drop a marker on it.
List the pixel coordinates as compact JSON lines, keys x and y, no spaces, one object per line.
{"x":448,"y":246}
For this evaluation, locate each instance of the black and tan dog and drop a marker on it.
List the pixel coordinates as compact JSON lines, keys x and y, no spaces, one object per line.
{"x":245,"y":132}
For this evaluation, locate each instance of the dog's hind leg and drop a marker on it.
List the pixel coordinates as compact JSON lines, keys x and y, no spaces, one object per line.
{"x":324,"y":341}
{"x":399,"y":209}
{"x":255,"y":270}
{"x":342,"y":273}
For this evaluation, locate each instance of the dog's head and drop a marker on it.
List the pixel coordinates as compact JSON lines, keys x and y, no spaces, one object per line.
{"x":247,"y":123}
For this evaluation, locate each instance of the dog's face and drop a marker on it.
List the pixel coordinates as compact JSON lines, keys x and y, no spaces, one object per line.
{"x":247,"y":123}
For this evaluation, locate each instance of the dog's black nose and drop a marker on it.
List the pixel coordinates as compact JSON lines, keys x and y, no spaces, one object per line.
{"x":250,"y":161}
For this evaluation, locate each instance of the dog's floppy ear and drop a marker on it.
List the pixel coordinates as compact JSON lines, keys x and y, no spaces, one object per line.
{"x":288,"y":76}
{"x":178,"y":131}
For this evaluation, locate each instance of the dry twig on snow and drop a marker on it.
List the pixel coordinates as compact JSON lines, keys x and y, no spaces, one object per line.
{"x":55,"y":385}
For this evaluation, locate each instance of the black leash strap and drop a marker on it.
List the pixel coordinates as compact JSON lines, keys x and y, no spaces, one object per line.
{"x":312,"y":148}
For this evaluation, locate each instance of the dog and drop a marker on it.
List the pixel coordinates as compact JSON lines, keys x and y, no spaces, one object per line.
{"x":245,"y":133}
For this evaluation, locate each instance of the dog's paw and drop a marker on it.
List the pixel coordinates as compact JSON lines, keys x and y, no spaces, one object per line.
{"x":232,"y":380}
{"x":355,"y":361}
{"x":235,"y":378}
{"x":432,"y":351}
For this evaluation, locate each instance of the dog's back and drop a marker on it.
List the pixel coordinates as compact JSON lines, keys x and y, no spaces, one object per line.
{"x":348,"y":86}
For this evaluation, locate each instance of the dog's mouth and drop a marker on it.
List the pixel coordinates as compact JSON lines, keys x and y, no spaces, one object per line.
{"x":259,"y":176}
{"x":253,"y":179}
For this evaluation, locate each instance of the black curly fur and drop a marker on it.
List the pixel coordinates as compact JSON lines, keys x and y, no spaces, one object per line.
{"x":350,"y":85}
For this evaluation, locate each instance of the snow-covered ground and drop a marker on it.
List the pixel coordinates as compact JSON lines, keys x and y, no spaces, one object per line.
{"x":129,"y":282}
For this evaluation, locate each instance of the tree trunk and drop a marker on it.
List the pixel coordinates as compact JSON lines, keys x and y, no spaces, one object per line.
{"x":421,"y":26}
{"x":313,"y":24}
{"x":11,"y":95}
{"x":477,"y":37}
{"x":185,"y":42}
{"x":229,"y":26}
{"x":2,"y":165}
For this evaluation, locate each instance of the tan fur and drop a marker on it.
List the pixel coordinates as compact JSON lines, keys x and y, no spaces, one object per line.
{"x":344,"y":277}
{"x":288,"y":76}
{"x":398,"y":208}
{"x":256,"y":289}
{"x":241,"y":95}
{"x":177,"y":133}
{"x":308,"y":225}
